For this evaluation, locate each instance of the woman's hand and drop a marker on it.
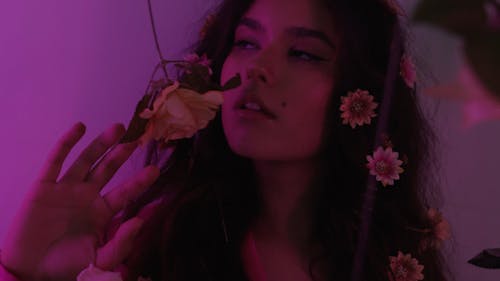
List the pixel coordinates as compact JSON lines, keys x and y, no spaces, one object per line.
{"x":60,"y":226}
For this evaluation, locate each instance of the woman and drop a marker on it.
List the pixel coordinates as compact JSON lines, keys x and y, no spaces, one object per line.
{"x":270,"y":195}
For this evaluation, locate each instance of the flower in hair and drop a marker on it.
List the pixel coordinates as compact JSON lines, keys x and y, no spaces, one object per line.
{"x":179,"y":113}
{"x":405,"y":268}
{"x":407,"y":71}
{"x":439,"y":232}
{"x":357,"y":108}
{"x":440,"y":227}
{"x":385,"y":165}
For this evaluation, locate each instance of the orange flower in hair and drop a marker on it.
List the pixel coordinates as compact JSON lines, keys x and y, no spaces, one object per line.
{"x":439,"y":232}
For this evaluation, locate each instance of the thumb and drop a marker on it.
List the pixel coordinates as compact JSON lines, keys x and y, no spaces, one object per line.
{"x":117,"y":249}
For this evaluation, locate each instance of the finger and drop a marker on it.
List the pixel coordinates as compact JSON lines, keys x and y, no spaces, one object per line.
{"x":80,"y":168}
{"x":130,"y":189}
{"x":105,"y":170}
{"x":117,"y":249}
{"x":52,"y":167}
{"x":148,"y":210}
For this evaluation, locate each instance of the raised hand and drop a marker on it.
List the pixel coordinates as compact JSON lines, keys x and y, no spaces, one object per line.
{"x":60,"y":226}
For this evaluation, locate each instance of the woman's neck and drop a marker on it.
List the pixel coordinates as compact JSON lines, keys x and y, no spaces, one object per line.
{"x":287,"y":201}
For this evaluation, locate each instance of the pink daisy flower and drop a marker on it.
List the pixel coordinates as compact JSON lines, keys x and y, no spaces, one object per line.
{"x":357,"y":108}
{"x":405,"y":268}
{"x":407,"y":71}
{"x":385,"y":165}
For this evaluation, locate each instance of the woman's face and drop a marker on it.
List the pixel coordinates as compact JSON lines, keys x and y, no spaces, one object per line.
{"x":284,"y":51}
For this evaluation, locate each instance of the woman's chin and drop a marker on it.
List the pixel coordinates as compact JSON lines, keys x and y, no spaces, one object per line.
{"x":250,"y":150}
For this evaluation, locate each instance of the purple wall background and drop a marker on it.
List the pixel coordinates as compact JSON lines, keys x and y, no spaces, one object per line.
{"x":68,"y":61}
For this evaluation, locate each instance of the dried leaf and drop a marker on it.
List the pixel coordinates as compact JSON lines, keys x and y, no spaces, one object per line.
{"x":137,"y":125}
{"x":488,"y":258}
{"x":232,"y":83}
{"x":194,"y":82}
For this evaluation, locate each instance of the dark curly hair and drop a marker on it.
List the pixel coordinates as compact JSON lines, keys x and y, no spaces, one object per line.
{"x":209,"y":195}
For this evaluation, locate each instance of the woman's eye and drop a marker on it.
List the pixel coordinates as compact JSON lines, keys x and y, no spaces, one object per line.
{"x":304,"y":55}
{"x":301,"y":55}
{"x":244,"y":44}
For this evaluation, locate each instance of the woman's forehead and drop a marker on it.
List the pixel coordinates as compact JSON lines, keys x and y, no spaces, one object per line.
{"x":278,"y":15}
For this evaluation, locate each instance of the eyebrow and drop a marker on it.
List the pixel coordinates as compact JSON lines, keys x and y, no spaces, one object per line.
{"x":296,"y":31}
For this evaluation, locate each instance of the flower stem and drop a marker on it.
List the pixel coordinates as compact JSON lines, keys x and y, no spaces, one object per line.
{"x":158,"y":65}
{"x":164,"y":62}
{"x":426,"y":230}
{"x":158,"y":49}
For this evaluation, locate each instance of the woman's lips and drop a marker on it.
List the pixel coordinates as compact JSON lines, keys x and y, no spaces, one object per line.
{"x":253,"y":115}
{"x":240,"y":105}
{"x":249,"y":95}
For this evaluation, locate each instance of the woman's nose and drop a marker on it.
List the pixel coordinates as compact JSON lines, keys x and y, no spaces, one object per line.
{"x":261,"y":70}
{"x":260,"y":74}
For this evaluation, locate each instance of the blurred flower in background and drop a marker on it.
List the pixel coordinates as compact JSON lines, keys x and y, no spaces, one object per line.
{"x":477,"y":83}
